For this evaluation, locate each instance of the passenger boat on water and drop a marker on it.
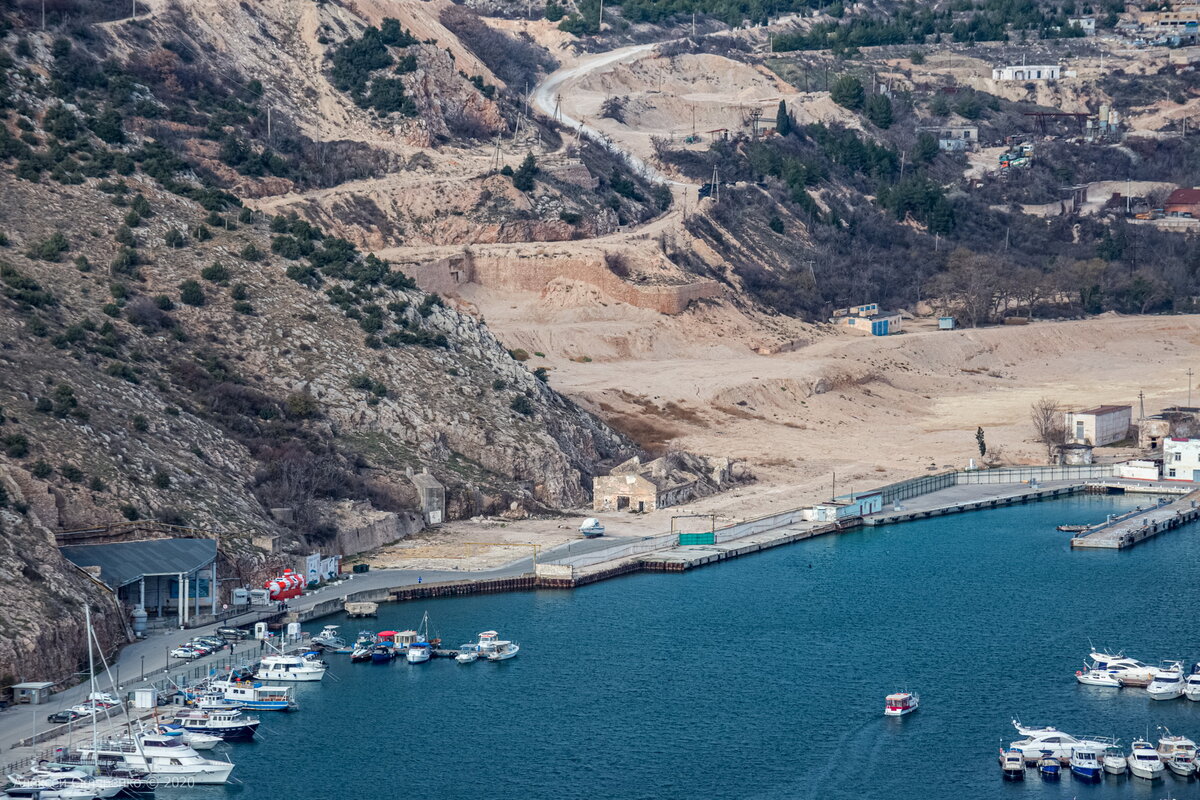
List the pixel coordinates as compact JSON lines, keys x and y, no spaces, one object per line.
{"x":1085,"y":762}
{"x":900,"y":703}
{"x":503,"y":651}
{"x":257,"y":696}
{"x":1114,"y":760}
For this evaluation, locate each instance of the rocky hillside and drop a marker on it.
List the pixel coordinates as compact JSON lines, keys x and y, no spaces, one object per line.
{"x":169,"y":353}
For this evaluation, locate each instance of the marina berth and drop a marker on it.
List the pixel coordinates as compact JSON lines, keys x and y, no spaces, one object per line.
{"x":1178,"y":753}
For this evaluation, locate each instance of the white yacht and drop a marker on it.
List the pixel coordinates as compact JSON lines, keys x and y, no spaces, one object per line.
{"x":1049,"y":741}
{"x":1012,"y":762}
{"x":255,"y":695}
{"x":419,"y":652}
{"x":194,"y":740}
{"x":63,"y":782}
{"x":1168,"y":683}
{"x":1097,"y":677}
{"x":467,"y":654}
{"x":290,"y":668}
{"x":1123,"y":667}
{"x":166,"y":758}
{"x":1114,"y":760}
{"x":1178,"y":753}
{"x":1144,"y":761}
{"x":1191,"y":686}
{"x":503,"y":651}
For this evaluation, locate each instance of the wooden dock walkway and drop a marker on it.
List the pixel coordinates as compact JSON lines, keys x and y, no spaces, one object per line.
{"x":1139,"y":525}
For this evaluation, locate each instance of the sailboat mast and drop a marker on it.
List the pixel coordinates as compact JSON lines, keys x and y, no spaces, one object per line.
{"x":87,"y":621}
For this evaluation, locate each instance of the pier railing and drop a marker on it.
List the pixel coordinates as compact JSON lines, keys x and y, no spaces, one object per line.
{"x":1025,"y":474}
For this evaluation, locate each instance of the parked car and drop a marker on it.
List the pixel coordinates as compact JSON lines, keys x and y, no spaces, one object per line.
{"x":62,"y":717}
{"x":234,"y":633}
{"x":210,"y":642}
{"x":103,"y":699}
{"x":186,"y":652}
{"x":86,"y":709}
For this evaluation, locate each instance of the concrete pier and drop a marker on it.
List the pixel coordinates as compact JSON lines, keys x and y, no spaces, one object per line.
{"x":1130,"y":529}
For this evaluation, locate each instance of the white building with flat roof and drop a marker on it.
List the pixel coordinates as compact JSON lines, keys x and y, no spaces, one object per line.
{"x":1098,"y":426}
{"x":1181,"y":459}
{"x":1032,"y":72}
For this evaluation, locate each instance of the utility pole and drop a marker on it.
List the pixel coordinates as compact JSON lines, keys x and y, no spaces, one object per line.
{"x":693,"y":24}
{"x":600,"y":24}
{"x":268,"y":124}
{"x":133,"y":10}
{"x":43,"y":14}
{"x":1141,"y":405}
{"x":1189,"y":374}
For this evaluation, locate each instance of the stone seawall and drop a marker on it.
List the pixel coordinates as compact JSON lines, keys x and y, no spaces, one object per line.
{"x":534,"y":272}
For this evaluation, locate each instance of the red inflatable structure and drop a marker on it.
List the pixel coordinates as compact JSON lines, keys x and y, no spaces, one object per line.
{"x":286,"y":586}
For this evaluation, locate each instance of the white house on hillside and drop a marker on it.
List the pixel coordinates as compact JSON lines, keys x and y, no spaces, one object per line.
{"x":1181,"y":459}
{"x":1021,"y":72}
{"x":1099,"y":426}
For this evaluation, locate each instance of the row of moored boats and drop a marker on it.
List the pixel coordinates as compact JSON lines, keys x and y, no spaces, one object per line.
{"x":1164,"y":682}
{"x":1050,"y":751}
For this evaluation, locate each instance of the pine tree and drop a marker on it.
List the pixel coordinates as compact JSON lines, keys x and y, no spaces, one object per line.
{"x":979,"y":440}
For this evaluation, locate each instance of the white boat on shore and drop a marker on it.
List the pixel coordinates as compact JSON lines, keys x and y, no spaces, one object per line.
{"x":1168,"y":683}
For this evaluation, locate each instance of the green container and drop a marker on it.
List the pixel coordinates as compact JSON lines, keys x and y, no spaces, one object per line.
{"x":361,"y":568}
{"x":696,"y":538}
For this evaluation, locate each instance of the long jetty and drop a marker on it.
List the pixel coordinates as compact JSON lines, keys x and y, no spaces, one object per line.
{"x":1126,"y":530}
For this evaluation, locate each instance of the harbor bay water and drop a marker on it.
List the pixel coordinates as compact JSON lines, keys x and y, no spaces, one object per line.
{"x":765,"y":676}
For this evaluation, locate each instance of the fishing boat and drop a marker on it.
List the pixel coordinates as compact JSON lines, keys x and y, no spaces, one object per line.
{"x":329,"y":639}
{"x":230,"y":724}
{"x":1097,"y":677}
{"x":900,"y":703}
{"x":1144,"y":761}
{"x":420,"y":650}
{"x":1168,"y":683}
{"x":487,"y":642}
{"x":166,"y":758}
{"x":1012,"y":764}
{"x":257,"y":696}
{"x":1038,"y":742}
{"x":1178,"y":753}
{"x":212,"y":701}
{"x":503,"y":651}
{"x":290,"y":668}
{"x":1114,"y":760}
{"x":1085,"y":762}
{"x":1049,"y":768}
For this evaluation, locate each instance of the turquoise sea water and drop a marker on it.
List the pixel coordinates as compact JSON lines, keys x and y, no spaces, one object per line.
{"x":763,"y":677}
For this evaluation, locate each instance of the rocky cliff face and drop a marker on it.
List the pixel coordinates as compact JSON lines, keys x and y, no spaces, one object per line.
{"x":42,"y":633}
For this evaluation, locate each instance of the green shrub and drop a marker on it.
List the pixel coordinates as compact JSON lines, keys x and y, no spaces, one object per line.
{"x":49,"y":249}
{"x":16,"y":445}
{"x":191,"y":293}
{"x":215,"y":272}
{"x":161,"y":480}
{"x":140,"y":423}
{"x":174,"y":238}
{"x":240,"y":291}
{"x":243,"y":307}
{"x":41,"y":470}
{"x":130,"y":512}
{"x":71,"y":472}
{"x":521,"y":405}
{"x":164,"y":303}
{"x":251,"y":253}
{"x":97,"y":484}
{"x":301,"y":405}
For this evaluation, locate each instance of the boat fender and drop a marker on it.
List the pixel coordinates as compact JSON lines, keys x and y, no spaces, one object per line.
{"x":1078,"y":672}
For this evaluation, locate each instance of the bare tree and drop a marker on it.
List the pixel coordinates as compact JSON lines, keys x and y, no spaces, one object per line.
{"x":1047,"y":417}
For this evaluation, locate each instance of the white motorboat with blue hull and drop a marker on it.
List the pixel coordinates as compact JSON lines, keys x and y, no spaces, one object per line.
{"x":1086,"y":763}
{"x":230,"y":725}
{"x":257,"y":696}
{"x":1050,"y":768}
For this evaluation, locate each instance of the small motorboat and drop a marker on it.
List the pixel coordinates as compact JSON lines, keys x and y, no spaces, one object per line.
{"x":1012,"y":764}
{"x":1144,"y":761}
{"x":1085,"y":762}
{"x":419,"y":652}
{"x":1178,"y":753}
{"x":329,"y":639}
{"x":195,"y":740}
{"x":591,"y":528}
{"x":1114,"y":760}
{"x":900,"y":703}
{"x":1097,"y":677}
{"x":1050,"y":768}
{"x":467,"y":655}
{"x":1168,"y":683}
{"x":383,"y":653}
{"x":503,"y":651}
